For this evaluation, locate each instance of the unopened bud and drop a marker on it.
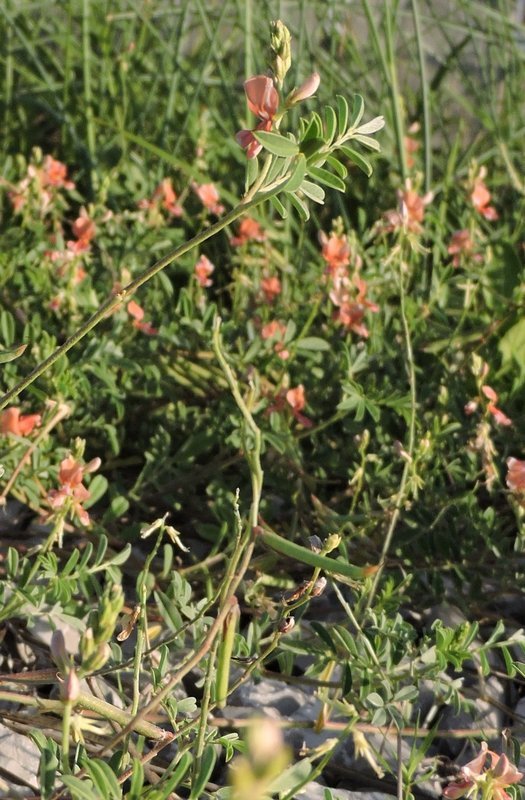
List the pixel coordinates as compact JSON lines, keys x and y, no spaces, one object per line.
{"x":97,"y":659}
{"x":70,"y":687}
{"x":281,"y":45}
{"x":332,"y":543}
{"x":59,"y":653}
{"x":305,"y":90}
{"x":286,"y":625}
{"x":92,"y":465}
{"x":470,"y":408}
{"x":297,"y":593}
{"x":87,"y":644}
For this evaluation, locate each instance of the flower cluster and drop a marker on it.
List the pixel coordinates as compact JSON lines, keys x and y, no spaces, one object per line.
{"x":410,"y":212}
{"x":462,"y":249}
{"x":293,"y":399}
{"x":249,"y":231}
{"x":164,"y":197}
{"x":480,"y":196}
{"x":83,"y":230}
{"x":275,"y":332}
{"x":203,"y":269}
{"x":263,"y":101}
{"x":489,"y":783}
{"x":271,"y":288}
{"x":72,"y":492}
{"x":347,"y":292}
{"x":41,"y":186}
{"x":516,"y":476}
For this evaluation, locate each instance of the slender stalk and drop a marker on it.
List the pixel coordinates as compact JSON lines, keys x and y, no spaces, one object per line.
{"x":427,"y":120}
{"x":394,"y":91}
{"x":90,"y":703}
{"x":388,"y":65}
{"x":203,"y":717}
{"x":67,"y":707}
{"x":88,"y":94}
{"x":401,"y":495}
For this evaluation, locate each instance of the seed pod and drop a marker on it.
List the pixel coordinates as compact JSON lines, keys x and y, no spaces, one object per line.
{"x":286,"y":625}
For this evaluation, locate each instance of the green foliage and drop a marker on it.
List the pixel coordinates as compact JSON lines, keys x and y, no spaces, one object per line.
{"x":323,"y":383}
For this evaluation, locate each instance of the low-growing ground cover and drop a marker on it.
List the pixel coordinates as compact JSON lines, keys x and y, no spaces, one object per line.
{"x":263,"y":356}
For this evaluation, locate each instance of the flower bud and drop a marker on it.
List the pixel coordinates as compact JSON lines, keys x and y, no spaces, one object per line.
{"x":59,"y":653}
{"x":305,"y":90}
{"x":70,"y":687}
{"x":280,"y":43}
{"x":332,"y":543}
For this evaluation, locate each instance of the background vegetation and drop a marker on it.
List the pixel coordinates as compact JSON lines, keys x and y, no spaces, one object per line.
{"x":366,"y":382}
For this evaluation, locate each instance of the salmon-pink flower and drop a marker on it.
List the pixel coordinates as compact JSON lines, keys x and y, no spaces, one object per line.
{"x":335,"y":250}
{"x":248,"y":142}
{"x":11,"y":421}
{"x":262,"y":97}
{"x":296,"y":399}
{"x":276,"y":330}
{"x":410,"y":212}
{"x":460,"y":245}
{"x":480,"y":197}
{"x":72,"y":490}
{"x":249,"y":231}
{"x":137,"y":312}
{"x":516,"y":475}
{"x":263,"y":101}
{"x":54,"y":173}
{"x":203,"y":269}
{"x":499,"y":417}
{"x":271,"y":288}
{"x":83,"y":227}
{"x":492,"y":782}
{"x":305,"y":90}
{"x":351,"y":315}
{"x":209,"y":197}
{"x":165,"y":197}
{"x":83,"y":230}
{"x":165,"y":193}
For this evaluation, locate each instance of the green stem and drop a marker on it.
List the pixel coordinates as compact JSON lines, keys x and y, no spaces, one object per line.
{"x":409,"y":465}
{"x":203,"y":717}
{"x":88,"y":94}
{"x":89,"y":703}
{"x":394,"y":91}
{"x":66,"y":727}
{"x":427,"y":123}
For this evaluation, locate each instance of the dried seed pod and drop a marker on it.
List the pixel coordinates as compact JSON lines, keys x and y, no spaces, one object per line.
{"x":297,"y":593}
{"x":319,"y":587}
{"x":286,"y":625}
